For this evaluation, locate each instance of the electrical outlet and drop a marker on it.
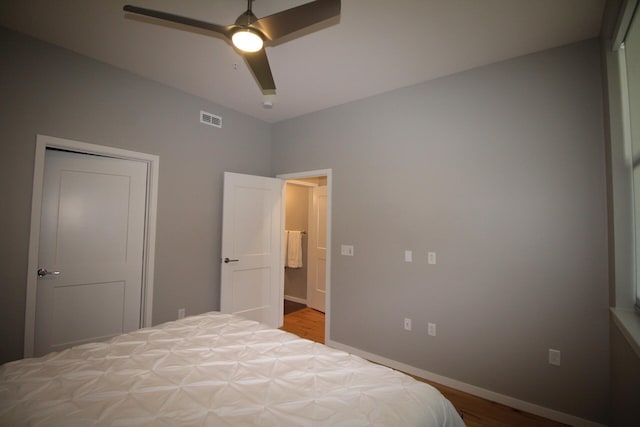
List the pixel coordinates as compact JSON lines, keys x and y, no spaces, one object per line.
{"x":554,"y":357}
{"x":408,"y":256}
{"x":181,"y":313}
{"x":431,"y":257}
{"x":407,"y":324}
{"x":431,"y":329}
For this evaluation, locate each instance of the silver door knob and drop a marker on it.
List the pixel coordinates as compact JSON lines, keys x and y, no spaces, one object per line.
{"x":227,"y":260}
{"x":44,"y":272}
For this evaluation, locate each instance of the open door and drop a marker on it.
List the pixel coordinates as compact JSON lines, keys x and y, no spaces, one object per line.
{"x":317,"y":252}
{"x":251,"y":264}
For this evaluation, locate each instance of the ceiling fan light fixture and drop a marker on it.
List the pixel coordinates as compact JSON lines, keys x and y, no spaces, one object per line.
{"x":247,"y":40}
{"x":248,"y":33}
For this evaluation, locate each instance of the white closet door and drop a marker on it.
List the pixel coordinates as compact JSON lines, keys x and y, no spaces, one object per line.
{"x":91,"y":243}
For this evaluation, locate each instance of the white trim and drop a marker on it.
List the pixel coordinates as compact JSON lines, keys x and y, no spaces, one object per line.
{"x":311,"y":174}
{"x":42,"y":143}
{"x":301,"y":183}
{"x":468,"y":388}
{"x":310,"y":233}
{"x":628,"y":322}
{"x":295,"y":299}
{"x":283,"y":214}
{"x":625,"y":109}
{"x":622,"y":24}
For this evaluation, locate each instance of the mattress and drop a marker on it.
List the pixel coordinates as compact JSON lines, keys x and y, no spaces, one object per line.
{"x":213,"y":370}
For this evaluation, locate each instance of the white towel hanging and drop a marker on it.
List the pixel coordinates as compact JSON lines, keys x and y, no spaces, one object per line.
{"x":294,"y":249}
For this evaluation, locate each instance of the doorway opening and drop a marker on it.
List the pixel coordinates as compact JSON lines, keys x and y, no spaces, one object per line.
{"x":307,"y":255}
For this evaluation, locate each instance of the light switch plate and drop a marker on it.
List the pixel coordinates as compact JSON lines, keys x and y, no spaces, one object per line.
{"x":408,"y":256}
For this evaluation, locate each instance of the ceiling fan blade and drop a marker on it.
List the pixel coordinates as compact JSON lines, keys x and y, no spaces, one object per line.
{"x":178,"y":19}
{"x":288,"y":21}
{"x":259,"y":65}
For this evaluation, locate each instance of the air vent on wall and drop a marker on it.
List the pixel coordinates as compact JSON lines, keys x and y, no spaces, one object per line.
{"x":210,"y":119}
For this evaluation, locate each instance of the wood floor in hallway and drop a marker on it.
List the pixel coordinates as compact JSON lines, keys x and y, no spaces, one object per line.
{"x":306,"y":323}
{"x":476,"y":412}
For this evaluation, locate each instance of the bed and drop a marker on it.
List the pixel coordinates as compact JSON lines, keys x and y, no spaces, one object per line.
{"x":213,"y":370}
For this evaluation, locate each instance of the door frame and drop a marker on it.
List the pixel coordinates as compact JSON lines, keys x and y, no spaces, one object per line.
{"x":311,"y":174}
{"x":42,"y":143}
{"x":308,"y":186}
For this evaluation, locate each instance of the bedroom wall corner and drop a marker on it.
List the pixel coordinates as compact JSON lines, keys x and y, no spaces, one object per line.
{"x":501,"y":171}
{"x":51,"y":91}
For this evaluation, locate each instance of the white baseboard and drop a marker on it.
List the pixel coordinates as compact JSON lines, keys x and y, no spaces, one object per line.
{"x":531,"y":408}
{"x":295,"y":299}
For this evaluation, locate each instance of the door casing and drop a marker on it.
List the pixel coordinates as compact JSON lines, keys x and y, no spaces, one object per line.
{"x":42,"y":143}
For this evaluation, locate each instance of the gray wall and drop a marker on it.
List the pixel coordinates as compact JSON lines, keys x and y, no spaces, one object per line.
{"x":46,"y":90}
{"x":501,"y":171}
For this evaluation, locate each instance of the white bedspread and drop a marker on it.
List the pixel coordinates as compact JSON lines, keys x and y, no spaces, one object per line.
{"x":213,"y":370}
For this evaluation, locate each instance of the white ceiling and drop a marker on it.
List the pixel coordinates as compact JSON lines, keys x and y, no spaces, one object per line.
{"x":375,"y":46}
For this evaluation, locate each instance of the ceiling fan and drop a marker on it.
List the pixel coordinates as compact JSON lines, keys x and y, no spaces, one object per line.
{"x":249,"y":33}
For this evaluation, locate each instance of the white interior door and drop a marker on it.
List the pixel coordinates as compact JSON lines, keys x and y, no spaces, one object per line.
{"x":91,"y":242}
{"x":251,"y":276}
{"x":317,"y":251}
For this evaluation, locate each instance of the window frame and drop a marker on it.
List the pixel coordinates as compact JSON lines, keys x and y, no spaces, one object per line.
{"x":623,"y":163}
{"x":630,"y":97}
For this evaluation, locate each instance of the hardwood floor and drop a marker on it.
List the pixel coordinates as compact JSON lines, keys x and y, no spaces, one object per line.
{"x":476,"y":412}
{"x":306,"y":323}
